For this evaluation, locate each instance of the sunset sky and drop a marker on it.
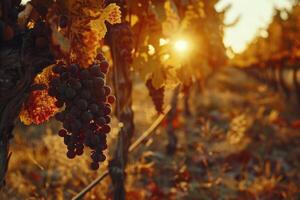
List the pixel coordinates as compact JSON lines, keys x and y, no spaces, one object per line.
{"x":254,"y":14}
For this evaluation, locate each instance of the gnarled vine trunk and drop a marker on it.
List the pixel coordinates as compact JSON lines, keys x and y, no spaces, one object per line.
{"x":122,"y":83}
{"x":20,"y":63}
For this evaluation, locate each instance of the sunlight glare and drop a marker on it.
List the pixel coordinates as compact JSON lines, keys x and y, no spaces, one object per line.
{"x":181,"y":45}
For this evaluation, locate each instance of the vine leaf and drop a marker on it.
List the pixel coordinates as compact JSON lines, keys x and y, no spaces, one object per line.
{"x":40,"y":106}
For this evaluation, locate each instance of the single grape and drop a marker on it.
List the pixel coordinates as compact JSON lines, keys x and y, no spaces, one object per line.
{"x":107,"y":119}
{"x":106,"y":129}
{"x":75,"y":84}
{"x":67,"y":139}
{"x":74,"y":68}
{"x":63,"y":21}
{"x":79,"y":152}
{"x":62,"y":133}
{"x":55,"y":82}
{"x":104,"y":66}
{"x":81,"y":104}
{"x":59,"y":104}
{"x":58,"y":69}
{"x":71,"y":154}
{"x":70,"y":93}
{"x":111,"y":99}
{"x":87,"y":116}
{"x":88,"y":83}
{"x":94,"y":108}
{"x":99,"y":82}
{"x":107,"y":110}
{"x":94,"y":166}
{"x":100,"y":121}
{"x":95,"y":70}
{"x":107,"y":90}
{"x":65,"y":76}
{"x":59,"y":116}
{"x":85,"y":94}
{"x":84,"y":74}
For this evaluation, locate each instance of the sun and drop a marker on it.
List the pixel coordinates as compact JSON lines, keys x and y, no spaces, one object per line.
{"x":181,"y":45}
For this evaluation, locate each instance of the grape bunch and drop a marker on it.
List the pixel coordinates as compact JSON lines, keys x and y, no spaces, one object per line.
{"x":157,"y":95}
{"x":125,"y":40}
{"x":87,"y":106}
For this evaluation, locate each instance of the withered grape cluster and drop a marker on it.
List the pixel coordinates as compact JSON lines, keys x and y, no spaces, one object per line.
{"x":87,"y":106}
{"x":157,"y":95}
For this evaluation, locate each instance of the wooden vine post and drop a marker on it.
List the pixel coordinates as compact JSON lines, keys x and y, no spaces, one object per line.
{"x":122,"y":84}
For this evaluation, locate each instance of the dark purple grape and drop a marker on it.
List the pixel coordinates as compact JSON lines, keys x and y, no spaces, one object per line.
{"x":65,"y":76}
{"x":58,"y":69}
{"x":63,"y":21}
{"x":94,"y":166}
{"x":100,"y":92}
{"x":81,"y":104}
{"x":100,"y":121}
{"x":107,"y":110}
{"x":88,"y":83}
{"x":100,"y":57}
{"x":111,"y":99}
{"x":106,"y":129}
{"x":95,"y":70}
{"x":97,"y":157}
{"x":70,"y":93}
{"x":69,"y":117}
{"x":62,"y":88}
{"x":59,"y":104}
{"x":66,"y":125}
{"x":62,"y":133}
{"x":107,"y":90}
{"x":102,"y":146}
{"x":85,"y":94}
{"x":104,"y":66}
{"x":71,"y":146}
{"x":76,"y":125}
{"x":55,"y":82}
{"x":75,"y":84}
{"x":53,"y":92}
{"x":67,"y":139}
{"x":94,"y":108}
{"x":99,"y":82}
{"x":87,"y":116}
{"x":74,"y":68}
{"x":59,"y":116}
{"x":107,"y":119}
{"x":93,"y":126}
{"x":71,"y":154}
{"x":79,"y":152}
{"x":84,"y":74}
{"x":75,"y":111}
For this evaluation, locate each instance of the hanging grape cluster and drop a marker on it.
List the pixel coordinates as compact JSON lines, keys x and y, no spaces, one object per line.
{"x":87,"y":106}
{"x":125,"y":41}
{"x":157,"y":95}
